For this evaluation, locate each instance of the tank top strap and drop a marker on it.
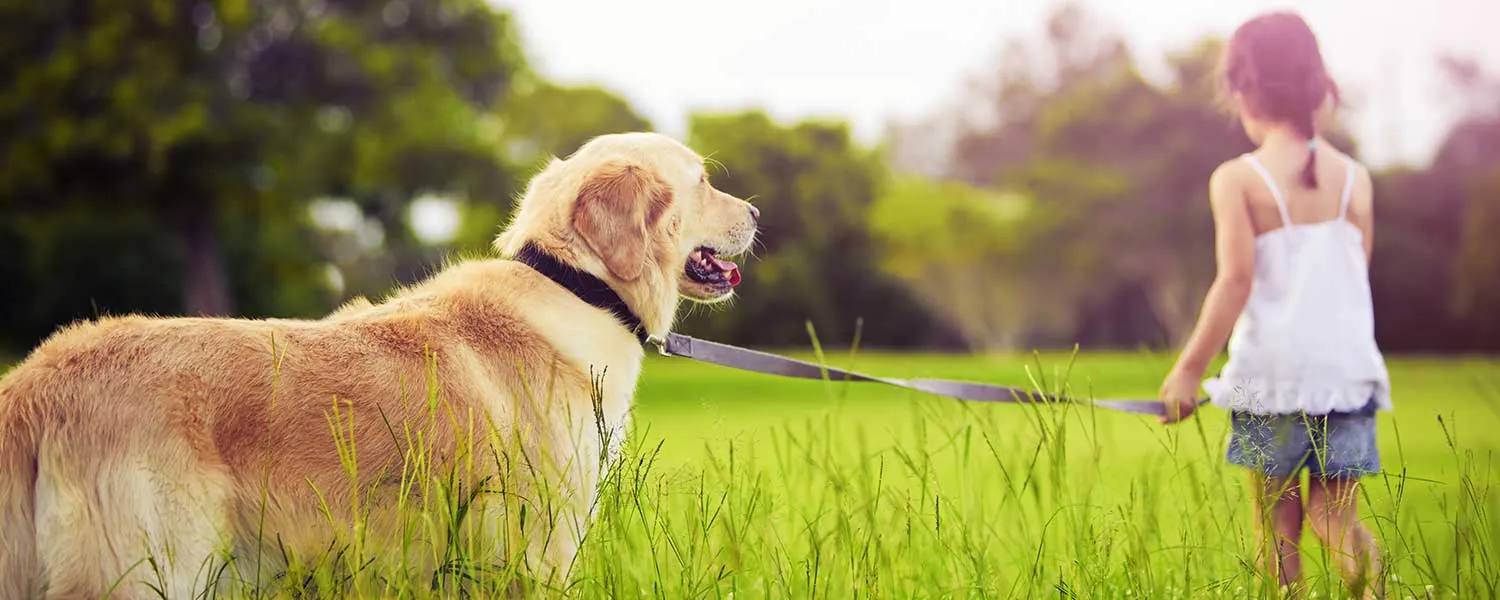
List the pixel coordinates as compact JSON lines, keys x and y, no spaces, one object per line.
{"x":1348,"y":188}
{"x":1286,"y":217}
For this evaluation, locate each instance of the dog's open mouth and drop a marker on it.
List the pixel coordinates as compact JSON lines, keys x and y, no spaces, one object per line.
{"x":706,"y":268}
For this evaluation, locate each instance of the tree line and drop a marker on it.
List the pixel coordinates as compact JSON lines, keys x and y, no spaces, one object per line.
{"x":1075,"y":198}
{"x":263,"y":158}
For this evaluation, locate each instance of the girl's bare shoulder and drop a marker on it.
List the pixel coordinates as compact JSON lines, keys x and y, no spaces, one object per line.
{"x":1230,"y":180}
{"x":1361,"y":173}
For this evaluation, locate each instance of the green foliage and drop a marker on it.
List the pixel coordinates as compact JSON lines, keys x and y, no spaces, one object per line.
{"x":955,"y":247}
{"x":408,"y":101}
{"x":1433,"y":275}
{"x":814,"y":261}
{"x":549,"y":119}
{"x":543,"y":120}
{"x":69,"y":264}
{"x":1477,"y":294}
{"x":1417,"y":230}
{"x":1117,"y":171}
{"x":1119,"y":242}
{"x":1150,"y":229}
{"x":185,"y":162}
{"x":918,"y":219}
{"x":274,"y":272}
{"x":196,"y":116}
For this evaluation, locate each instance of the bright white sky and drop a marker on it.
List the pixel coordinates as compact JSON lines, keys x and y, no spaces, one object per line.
{"x":869,"y":61}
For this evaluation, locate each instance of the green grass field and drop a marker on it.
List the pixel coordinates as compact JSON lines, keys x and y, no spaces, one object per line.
{"x":766,"y":487}
{"x":739,"y":485}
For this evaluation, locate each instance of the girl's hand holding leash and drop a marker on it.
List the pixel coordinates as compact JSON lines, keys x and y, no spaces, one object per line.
{"x":1179,"y":396}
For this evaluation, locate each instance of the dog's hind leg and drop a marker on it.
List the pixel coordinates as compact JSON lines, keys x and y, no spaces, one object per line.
{"x":141,"y":522}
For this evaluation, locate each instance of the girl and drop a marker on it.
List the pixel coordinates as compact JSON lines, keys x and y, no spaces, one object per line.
{"x":1304,"y":378}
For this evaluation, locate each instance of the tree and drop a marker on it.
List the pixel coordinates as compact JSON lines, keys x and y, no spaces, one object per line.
{"x":547,"y":119}
{"x":1153,"y":232}
{"x":814,"y":262}
{"x":411,"y":105}
{"x":1477,"y":296}
{"x":956,"y":248}
{"x":68,"y":263}
{"x":544,"y":120}
{"x":1466,"y":166}
{"x":188,"y":110}
{"x":1114,"y":170}
{"x":999,"y":124}
{"x":1434,"y":272}
{"x":1411,"y":272}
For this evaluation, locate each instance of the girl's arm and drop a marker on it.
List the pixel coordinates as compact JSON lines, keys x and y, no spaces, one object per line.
{"x":1234,"y":241}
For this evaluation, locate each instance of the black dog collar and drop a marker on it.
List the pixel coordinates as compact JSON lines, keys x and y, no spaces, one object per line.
{"x":586,"y":287}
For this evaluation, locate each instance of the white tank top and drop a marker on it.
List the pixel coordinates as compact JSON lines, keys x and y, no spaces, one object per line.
{"x":1305,"y":342}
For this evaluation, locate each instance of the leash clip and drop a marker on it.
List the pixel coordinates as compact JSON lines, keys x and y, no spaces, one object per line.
{"x":661,"y":345}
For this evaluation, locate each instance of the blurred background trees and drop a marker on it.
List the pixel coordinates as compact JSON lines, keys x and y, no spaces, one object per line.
{"x":274,"y":157}
{"x":174,"y":147}
{"x":815,"y":258}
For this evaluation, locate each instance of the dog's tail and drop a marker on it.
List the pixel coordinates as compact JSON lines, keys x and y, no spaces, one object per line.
{"x":19,"y":569}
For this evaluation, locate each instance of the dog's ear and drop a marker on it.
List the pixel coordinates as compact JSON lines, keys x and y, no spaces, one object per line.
{"x":616,"y":203}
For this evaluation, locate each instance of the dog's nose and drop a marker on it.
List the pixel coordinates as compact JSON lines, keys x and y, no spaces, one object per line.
{"x":754,"y":212}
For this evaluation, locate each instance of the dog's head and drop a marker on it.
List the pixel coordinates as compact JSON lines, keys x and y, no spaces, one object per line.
{"x":637,"y":211}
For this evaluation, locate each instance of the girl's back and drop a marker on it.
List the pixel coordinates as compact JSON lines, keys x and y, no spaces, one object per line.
{"x":1305,"y":341}
{"x":1305,"y":205}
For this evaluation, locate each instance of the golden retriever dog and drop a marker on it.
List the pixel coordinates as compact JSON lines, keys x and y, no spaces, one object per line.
{"x":139,"y":452}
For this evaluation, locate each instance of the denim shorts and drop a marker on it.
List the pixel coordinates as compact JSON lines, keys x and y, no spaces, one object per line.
{"x":1340,"y":444}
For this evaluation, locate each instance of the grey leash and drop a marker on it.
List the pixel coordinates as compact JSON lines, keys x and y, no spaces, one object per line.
{"x":596,"y":292}
{"x":745,"y":359}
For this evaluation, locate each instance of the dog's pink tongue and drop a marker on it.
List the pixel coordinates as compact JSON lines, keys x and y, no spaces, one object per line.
{"x":728,"y":267}
{"x":723,"y":265}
